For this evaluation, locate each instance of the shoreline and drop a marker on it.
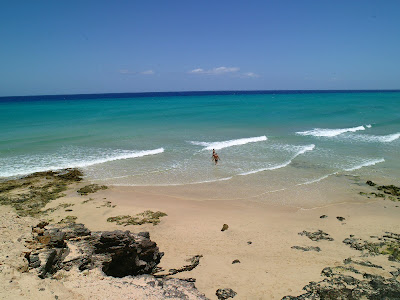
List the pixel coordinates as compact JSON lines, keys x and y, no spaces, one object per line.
{"x":269,"y":267}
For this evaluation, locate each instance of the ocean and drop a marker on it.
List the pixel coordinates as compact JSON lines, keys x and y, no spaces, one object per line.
{"x":266,"y":141}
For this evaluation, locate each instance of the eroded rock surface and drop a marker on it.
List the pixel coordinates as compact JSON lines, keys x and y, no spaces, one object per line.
{"x":317,"y":235}
{"x":57,"y":249}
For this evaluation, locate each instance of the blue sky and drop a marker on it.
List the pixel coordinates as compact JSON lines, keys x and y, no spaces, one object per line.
{"x":67,"y":47}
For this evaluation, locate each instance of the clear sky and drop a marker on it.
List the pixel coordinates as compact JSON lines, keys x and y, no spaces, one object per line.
{"x":69,"y":47}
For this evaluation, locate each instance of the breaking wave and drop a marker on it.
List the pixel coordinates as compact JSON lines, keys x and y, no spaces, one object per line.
{"x":59,"y":162}
{"x":365,"y":164}
{"x":331,"y":132}
{"x":377,"y":138}
{"x":302,"y":150}
{"x":229,"y":143}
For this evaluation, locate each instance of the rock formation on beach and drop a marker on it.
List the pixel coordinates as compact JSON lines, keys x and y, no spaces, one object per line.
{"x":65,"y":246}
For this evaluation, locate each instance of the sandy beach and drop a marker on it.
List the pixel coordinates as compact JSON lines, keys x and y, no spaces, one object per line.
{"x":260,"y":235}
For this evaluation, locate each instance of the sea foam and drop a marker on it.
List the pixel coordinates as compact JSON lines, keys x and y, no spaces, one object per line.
{"x":302,"y":150}
{"x":63,"y":163}
{"x":377,"y":138}
{"x":330,"y":132}
{"x":229,"y":143}
{"x":365,"y":164}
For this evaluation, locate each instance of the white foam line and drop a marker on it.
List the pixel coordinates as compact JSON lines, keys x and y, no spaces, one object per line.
{"x":378,"y":138}
{"x":177,"y":184}
{"x":302,"y":151}
{"x":229,"y":143}
{"x":83,"y":164}
{"x":320,"y":132}
{"x":365,"y":164}
{"x":316,"y":180}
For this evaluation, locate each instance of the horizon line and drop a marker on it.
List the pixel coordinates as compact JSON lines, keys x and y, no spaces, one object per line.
{"x":189,"y":93}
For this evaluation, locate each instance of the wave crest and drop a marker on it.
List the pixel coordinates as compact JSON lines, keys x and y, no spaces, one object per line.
{"x":330,"y":132}
{"x":229,"y":143}
{"x":303,"y":150}
{"x":366,"y":164}
{"x":64,"y":163}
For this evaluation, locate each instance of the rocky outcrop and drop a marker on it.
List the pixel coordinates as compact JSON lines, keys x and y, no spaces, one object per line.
{"x":357,"y":278}
{"x":118,"y":254}
{"x":340,"y":286}
{"x":317,"y":235}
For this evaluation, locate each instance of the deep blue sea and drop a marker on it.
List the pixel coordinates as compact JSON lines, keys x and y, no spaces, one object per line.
{"x":274,"y":139}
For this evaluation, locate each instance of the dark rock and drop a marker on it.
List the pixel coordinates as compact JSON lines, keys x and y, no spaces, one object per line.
{"x":34,"y":261}
{"x":236,"y":261}
{"x":317,"y":235}
{"x":51,"y":261}
{"x":194,"y":262}
{"x":42,"y":224}
{"x":361,"y":263}
{"x":339,"y":286}
{"x":308,"y":248}
{"x":145,"y":234}
{"x":126,"y":255}
{"x":73,"y":230}
{"x":249,"y":243}
{"x":341,"y":219}
{"x":223,"y":294}
{"x":224,"y":227}
{"x":323,"y":216}
{"x":370,"y":183}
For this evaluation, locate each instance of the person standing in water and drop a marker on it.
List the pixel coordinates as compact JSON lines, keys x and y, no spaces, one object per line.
{"x":215,"y":156}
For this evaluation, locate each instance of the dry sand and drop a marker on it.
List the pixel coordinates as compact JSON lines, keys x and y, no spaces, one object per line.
{"x":260,"y":235}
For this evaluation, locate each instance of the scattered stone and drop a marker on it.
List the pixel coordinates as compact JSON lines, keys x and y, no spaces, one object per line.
{"x":341,"y":219}
{"x":388,"y":244}
{"x":361,"y":263}
{"x":317,"y":235}
{"x":323,"y":216}
{"x":225,"y":227}
{"x":337,"y":285}
{"x":145,"y":217}
{"x":249,"y":243}
{"x":223,"y":294}
{"x":370,"y":183}
{"x":308,"y":248}
{"x":91,"y":188}
{"x":236,"y":261}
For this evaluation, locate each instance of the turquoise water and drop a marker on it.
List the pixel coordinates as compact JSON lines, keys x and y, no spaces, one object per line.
{"x":295,"y":138}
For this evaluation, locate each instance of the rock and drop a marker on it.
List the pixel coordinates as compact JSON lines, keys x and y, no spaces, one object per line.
{"x":323,"y":216}
{"x":126,"y":254}
{"x":340,"y":286}
{"x":224,"y":227}
{"x":223,"y":294}
{"x":249,"y":242}
{"x":308,"y":248}
{"x":317,"y":235}
{"x":145,"y":234}
{"x":341,"y":219}
{"x":370,"y":183}
{"x":42,"y":224}
{"x":236,"y":261}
